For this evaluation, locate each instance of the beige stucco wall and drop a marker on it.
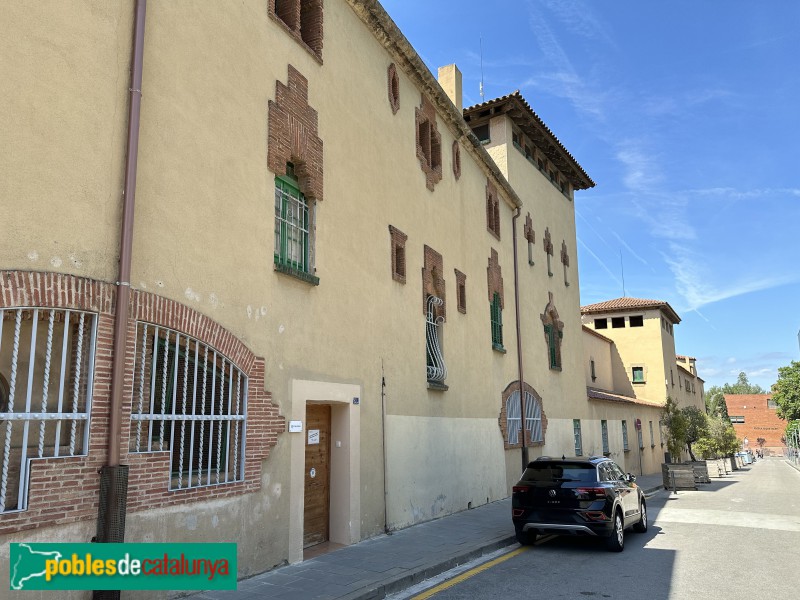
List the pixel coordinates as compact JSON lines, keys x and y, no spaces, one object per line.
{"x":64,"y":81}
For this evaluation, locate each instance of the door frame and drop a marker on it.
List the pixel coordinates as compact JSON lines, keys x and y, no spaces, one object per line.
{"x":345,"y":461}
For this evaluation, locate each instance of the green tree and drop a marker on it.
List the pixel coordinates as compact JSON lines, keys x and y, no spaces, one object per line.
{"x":786,"y":392}
{"x":715,"y":403}
{"x":675,"y":423}
{"x":696,"y":426}
{"x":718,"y":440}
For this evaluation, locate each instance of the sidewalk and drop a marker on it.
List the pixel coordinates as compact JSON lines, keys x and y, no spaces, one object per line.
{"x":390,"y":563}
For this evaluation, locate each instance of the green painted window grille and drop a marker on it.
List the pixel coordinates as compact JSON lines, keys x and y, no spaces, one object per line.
{"x":576,"y":427}
{"x":625,"y":436}
{"x":293,"y":227}
{"x":553,"y":340}
{"x":191,"y":401}
{"x":604,"y":432}
{"x":638,"y":374}
{"x":496,"y":314}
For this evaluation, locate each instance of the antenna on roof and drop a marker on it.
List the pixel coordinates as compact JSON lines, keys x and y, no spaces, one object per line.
{"x":481,"y":87}
{"x":622,"y":268}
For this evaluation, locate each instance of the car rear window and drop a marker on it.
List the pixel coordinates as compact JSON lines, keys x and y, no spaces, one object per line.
{"x":549,"y":473}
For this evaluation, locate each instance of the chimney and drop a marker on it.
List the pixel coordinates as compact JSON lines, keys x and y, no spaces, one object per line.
{"x":450,"y":80}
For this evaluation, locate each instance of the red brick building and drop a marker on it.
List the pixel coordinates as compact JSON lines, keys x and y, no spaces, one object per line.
{"x":754,"y":416}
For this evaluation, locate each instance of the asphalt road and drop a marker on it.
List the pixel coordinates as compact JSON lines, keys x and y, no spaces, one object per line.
{"x":735,"y":538}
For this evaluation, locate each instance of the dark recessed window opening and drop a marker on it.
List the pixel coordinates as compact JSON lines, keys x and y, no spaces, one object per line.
{"x":618,"y":322}
{"x":482,"y":132}
{"x":638,"y":374}
{"x":637,"y":321}
{"x":601,"y":323}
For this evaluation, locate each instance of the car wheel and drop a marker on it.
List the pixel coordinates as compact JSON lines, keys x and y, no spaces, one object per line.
{"x":526,"y":538}
{"x":641,"y":526}
{"x":616,"y":541}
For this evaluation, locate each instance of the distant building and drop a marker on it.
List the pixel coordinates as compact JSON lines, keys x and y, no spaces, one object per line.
{"x":754,"y":416}
{"x":630,"y":362}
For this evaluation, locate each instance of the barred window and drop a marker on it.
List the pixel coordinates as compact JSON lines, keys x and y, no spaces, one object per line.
{"x":576,"y":429}
{"x":436,"y":368}
{"x":192,"y":401}
{"x":46,"y":377}
{"x":625,"y":435}
{"x":496,"y":317}
{"x":604,"y":432}
{"x":294,"y":226}
{"x":533,"y":418}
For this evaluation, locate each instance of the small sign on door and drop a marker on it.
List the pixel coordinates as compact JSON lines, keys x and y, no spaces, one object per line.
{"x":313,"y":436}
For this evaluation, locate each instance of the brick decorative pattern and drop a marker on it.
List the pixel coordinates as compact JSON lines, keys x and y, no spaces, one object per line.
{"x":302,"y":19}
{"x":292,"y":135}
{"x":461,"y":291}
{"x":494,"y":278}
{"x":429,"y":143}
{"x":550,"y":319}
{"x":564,"y":254}
{"x":398,"y":241}
{"x":492,"y":210}
{"x":528,"y":232}
{"x":433,"y":282}
{"x":66,"y":490}
{"x":503,"y":421}
{"x":548,"y":242}
{"x":548,"y":249}
{"x":456,"y":160}
{"x":393,"y":83}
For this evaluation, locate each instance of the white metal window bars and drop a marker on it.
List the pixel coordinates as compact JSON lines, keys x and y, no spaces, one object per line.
{"x":625,"y":435}
{"x":604,"y":433}
{"x":294,"y":220}
{"x":191,"y":400}
{"x":47,"y":356}
{"x":436,"y":368}
{"x":533,"y":418}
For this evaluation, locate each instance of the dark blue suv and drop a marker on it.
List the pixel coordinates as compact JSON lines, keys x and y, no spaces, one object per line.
{"x":577,"y":496}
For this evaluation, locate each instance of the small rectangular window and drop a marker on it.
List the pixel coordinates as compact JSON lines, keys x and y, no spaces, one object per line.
{"x":639,"y":436}
{"x":618,"y":322}
{"x":771,"y":403}
{"x":636,"y":321}
{"x":594,"y":375}
{"x":482,"y":133}
{"x":601,"y":323}
{"x":625,"y":436}
{"x":737,"y":419}
{"x":496,"y":317}
{"x":652,"y":437}
{"x":638,"y":374}
{"x":576,"y":426}
{"x":604,"y":433}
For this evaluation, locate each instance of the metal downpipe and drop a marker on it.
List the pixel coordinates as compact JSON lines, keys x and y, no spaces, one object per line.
{"x":517,"y":213}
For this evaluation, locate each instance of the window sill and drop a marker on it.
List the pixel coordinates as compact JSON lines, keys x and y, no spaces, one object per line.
{"x":439,"y":387}
{"x":627,"y":450}
{"x":297,"y":274}
{"x":638,"y":382}
{"x":552,"y":368}
{"x":499,"y":348}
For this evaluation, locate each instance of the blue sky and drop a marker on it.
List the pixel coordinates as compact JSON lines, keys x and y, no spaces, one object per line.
{"x":686,"y":114}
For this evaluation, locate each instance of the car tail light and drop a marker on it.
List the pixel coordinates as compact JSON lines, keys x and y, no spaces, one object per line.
{"x":596,"y":515}
{"x":517,"y":489}
{"x":592,"y":493}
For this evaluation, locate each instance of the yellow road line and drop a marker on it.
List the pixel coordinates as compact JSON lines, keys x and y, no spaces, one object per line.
{"x":467,"y":574}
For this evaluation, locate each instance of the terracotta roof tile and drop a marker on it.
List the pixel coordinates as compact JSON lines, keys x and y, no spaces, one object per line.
{"x":626,"y":304}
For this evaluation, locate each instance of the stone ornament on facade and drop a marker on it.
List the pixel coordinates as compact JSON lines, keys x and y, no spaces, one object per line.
{"x":548,"y":249}
{"x":456,"y":160}
{"x":530,"y":236}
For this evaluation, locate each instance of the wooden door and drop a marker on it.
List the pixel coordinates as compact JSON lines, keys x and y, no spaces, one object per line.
{"x":316,"y":515}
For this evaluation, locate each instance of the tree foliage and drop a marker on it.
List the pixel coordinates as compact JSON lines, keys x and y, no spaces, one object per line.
{"x":675,"y":422}
{"x":786,"y":392}
{"x":696,"y":426}
{"x":715,"y":403}
{"x":719,"y":438}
